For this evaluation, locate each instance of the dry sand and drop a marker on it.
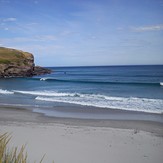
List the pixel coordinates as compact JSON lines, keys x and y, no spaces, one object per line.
{"x":83,"y":141}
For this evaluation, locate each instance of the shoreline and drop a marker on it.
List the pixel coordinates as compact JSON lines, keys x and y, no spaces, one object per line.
{"x":70,"y":140}
{"x":9,"y":114}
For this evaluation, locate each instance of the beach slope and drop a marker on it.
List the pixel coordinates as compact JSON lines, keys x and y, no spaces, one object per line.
{"x":67,"y":141}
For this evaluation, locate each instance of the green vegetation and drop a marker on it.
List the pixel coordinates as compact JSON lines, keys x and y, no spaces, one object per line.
{"x":14,"y":155}
{"x":10,"y":156}
{"x":4,"y":61}
{"x":12,"y":55}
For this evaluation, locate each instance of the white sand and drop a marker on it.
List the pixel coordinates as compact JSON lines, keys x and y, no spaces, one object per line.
{"x":70,"y":144}
{"x":66,"y":143}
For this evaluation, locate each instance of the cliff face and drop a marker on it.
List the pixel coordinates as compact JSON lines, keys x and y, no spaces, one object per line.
{"x":16,"y":63}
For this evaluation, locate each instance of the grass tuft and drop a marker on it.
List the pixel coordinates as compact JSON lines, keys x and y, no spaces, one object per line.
{"x":12,"y":155}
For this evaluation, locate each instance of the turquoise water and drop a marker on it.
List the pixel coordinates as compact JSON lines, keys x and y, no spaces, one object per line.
{"x":134,"y":88}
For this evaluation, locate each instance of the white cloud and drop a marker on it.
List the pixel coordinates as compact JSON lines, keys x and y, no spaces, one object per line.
{"x":148,"y":28}
{"x":9,"y":19}
{"x":66,"y":33}
{"x":6,"y":29}
{"x":38,"y":38}
{"x":4,"y":23}
{"x":46,"y":38}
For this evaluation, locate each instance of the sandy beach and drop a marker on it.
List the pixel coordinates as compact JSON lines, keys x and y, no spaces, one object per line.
{"x":81,"y":81}
{"x":83,"y":141}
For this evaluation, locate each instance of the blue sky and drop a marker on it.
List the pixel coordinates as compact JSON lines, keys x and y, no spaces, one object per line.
{"x":84,"y":32}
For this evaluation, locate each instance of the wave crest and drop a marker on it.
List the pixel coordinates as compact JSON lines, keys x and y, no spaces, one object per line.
{"x":46,"y":93}
{"x":48,"y":79}
{"x":123,"y":103}
{"x":95,"y":100}
{"x":5,"y":92}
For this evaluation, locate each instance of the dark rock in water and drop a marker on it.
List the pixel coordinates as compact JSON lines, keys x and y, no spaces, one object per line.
{"x":41,"y":71}
{"x":16,"y":63}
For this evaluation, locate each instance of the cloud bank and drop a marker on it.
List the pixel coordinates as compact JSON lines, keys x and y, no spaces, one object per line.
{"x":148,"y":28}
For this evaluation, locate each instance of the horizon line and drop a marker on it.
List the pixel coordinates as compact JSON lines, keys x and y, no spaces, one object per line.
{"x":110,"y":65}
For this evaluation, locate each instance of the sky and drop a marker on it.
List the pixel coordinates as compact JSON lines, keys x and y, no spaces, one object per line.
{"x":84,"y":32}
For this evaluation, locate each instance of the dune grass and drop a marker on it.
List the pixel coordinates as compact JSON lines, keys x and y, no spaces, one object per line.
{"x":13,"y":155}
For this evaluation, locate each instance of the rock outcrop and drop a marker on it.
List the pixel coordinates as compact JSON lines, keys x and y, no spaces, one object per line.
{"x":41,"y":70}
{"x":16,"y":63}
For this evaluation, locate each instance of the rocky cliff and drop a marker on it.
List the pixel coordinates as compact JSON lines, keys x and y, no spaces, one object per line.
{"x":16,"y":63}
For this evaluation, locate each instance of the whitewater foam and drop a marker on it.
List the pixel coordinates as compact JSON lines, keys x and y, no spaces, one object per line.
{"x":48,"y":79}
{"x":133,"y":104}
{"x":45,"y":93}
{"x":5,"y":92}
{"x":68,"y":94}
{"x":43,"y":79}
{"x":96,"y":100}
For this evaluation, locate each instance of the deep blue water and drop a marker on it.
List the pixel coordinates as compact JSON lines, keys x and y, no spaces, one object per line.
{"x":135,"y":88}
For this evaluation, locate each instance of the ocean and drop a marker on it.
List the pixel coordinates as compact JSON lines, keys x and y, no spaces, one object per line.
{"x":123,"y":88}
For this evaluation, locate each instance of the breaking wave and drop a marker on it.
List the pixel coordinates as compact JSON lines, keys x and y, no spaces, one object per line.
{"x":95,"y":100}
{"x":99,"y":82}
{"x":6,"y":92}
{"x":103,"y":101}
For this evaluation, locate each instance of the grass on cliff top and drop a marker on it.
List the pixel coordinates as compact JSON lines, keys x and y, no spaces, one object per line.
{"x":12,"y":55}
{"x":11,"y":155}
